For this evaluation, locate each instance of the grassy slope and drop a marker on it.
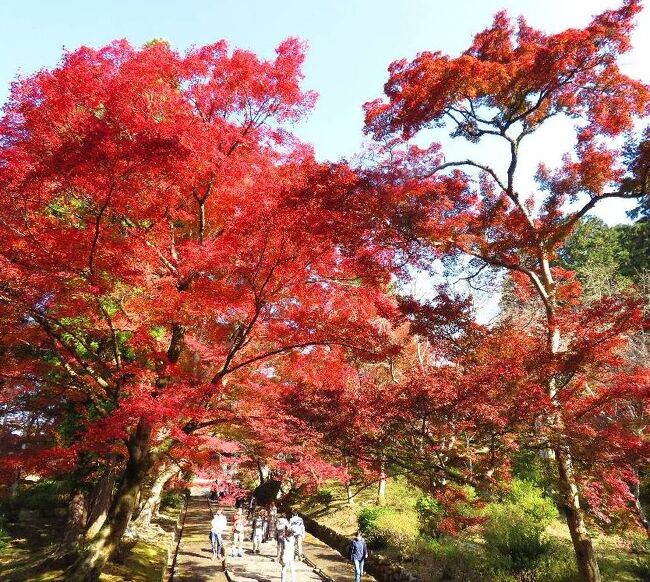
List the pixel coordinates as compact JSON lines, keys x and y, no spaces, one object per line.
{"x":617,"y":564}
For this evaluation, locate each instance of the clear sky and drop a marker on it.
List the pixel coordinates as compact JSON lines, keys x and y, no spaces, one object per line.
{"x":351,"y":42}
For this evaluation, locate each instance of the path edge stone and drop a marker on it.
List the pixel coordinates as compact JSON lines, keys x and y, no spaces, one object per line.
{"x":176,"y":541}
{"x":382,"y":569}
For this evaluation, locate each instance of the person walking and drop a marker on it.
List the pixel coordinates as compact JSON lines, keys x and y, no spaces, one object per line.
{"x":272,"y":529}
{"x":217,"y":526}
{"x":258,"y":533}
{"x":264,"y":514}
{"x":358,"y":555}
{"x":238,"y":533}
{"x":283,"y":524}
{"x":297,"y":526}
{"x":287,"y":550}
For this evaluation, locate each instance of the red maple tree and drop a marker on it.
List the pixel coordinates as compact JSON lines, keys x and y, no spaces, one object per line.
{"x":507,"y":85}
{"x":164,"y":241}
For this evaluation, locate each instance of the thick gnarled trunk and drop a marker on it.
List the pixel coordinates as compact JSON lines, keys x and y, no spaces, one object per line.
{"x":100,"y":503}
{"x":149,"y":507}
{"x":89,"y":567}
{"x":77,"y":517}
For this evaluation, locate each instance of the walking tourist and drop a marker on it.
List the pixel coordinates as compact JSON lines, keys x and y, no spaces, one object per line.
{"x":272,"y":529}
{"x":217,"y":526}
{"x":358,"y":554}
{"x":238,"y":533}
{"x":258,"y":533}
{"x":287,"y":546}
{"x":282,"y":525}
{"x":252,"y":504}
{"x":297,"y":526}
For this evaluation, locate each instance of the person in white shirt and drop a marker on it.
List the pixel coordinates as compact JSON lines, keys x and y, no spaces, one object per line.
{"x":217,"y":525}
{"x":283,"y":524}
{"x":238,"y":533}
{"x":297,"y":526}
{"x":287,"y":545}
{"x":258,"y":533}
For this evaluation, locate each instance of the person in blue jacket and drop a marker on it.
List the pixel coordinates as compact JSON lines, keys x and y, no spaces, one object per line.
{"x":358,"y":554}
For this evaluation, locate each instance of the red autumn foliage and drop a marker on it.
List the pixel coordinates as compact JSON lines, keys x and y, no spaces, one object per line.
{"x":540,"y":379}
{"x":182,"y":282}
{"x":165,"y":242}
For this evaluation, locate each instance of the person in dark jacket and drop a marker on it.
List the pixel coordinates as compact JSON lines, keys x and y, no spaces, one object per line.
{"x":358,"y":554}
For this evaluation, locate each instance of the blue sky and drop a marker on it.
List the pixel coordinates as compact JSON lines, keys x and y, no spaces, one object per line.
{"x":351,"y":42}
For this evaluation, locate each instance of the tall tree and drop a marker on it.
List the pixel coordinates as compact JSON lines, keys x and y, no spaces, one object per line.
{"x":163,"y":240}
{"x":510,"y":82}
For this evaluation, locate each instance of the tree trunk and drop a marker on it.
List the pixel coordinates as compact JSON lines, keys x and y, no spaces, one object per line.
{"x":260,"y":472}
{"x":349,"y":493}
{"x":151,"y":504}
{"x":582,"y":545}
{"x":381,"y":491}
{"x":89,"y":567}
{"x":100,"y":503}
{"x":636,"y":490}
{"x":584,"y":550}
{"x":77,"y":516}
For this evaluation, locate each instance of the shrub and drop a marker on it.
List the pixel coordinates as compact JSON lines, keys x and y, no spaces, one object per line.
{"x":529,"y":465}
{"x":172,"y":498}
{"x":453,"y":559}
{"x":516,"y":537}
{"x":430,"y":513}
{"x":398,"y":529}
{"x":324,"y":496}
{"x":515,"y":530}
{"x":640,"y":548}
{"x":366,"y":521}
{"x":401,"y":494}
{"x":558,"y":565}
{"x":531,"y":499}
{"x":43,"y":496}
{"x":4,"y":537}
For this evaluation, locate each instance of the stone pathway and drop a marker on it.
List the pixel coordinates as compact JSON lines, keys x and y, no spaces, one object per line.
{"x":194,"y":561}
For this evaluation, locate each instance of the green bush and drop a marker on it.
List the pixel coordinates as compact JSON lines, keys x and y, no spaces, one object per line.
{"x":43,"y":496}
{"x":528,"y":465}
{"x":385,"y":526}
{"x":4,"y":537}
{"x":401,"y":494}
{"x":531,"y":499}
{"x":172,"y":498}
{"x":366,"y":521}
{"x":453,"y":559}
{"x":324,"y":496}
{"x":398,"y":529}
{"x":558,"y":565}
{"x":640,"y":548}
{"x":430,"y":513}
{"x":515,"y":529}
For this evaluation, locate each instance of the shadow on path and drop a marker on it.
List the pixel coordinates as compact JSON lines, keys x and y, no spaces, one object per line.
{"x":194,"y":561}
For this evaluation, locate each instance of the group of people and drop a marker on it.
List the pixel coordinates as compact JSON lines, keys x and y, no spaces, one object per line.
{"x":288,"y":533}
{"x":266,"y":525}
